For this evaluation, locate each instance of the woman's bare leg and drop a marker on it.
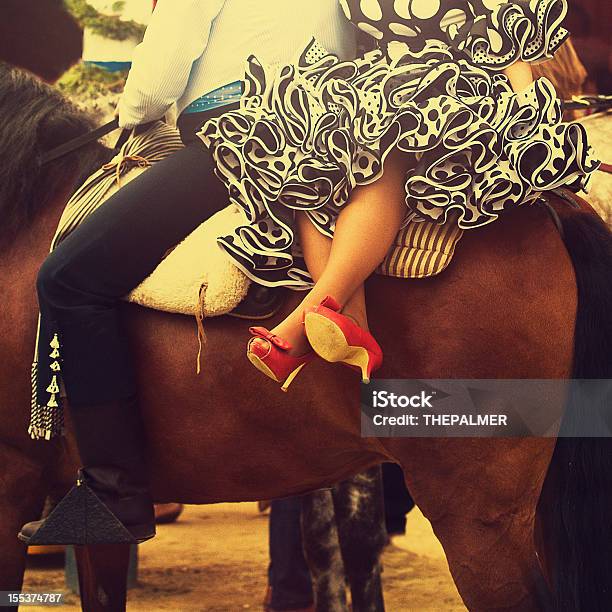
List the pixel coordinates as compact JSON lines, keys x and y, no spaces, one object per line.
{"x":364,"y":232}
{"x":316,"y":248}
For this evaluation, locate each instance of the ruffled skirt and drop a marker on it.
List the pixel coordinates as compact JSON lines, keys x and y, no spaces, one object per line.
{"x":308,"y":134}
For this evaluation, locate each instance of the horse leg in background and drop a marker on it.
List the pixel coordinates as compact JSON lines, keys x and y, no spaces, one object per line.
{"x":22,"y":495}
{"x":360,"y":520}
{"x":322,"y":551}
{"x":343,"y":536}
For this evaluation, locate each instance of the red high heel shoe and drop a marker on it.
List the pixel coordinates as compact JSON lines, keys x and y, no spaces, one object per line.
{"x":336,"y":337}
{"x":273,"y":359}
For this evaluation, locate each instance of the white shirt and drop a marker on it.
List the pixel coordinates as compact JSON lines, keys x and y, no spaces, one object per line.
{"x":192,"y":47}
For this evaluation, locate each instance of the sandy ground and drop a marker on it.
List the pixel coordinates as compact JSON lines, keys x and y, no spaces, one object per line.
{"x":214,"y":559}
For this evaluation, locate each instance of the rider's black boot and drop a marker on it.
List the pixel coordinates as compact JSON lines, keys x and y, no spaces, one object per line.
{"x":111,"y":502}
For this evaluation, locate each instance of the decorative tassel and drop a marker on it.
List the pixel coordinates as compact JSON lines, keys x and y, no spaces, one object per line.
{"x":34,"y":427}
{"x":53,"y":388}
{"x":47,"y":421}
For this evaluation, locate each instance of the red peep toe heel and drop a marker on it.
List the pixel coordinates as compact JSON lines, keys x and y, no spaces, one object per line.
{"x":272,"y":357}
{"x":336,"y":337}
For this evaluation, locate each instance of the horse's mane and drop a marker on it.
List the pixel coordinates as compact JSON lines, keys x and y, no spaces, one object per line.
{"x":35,"y":118}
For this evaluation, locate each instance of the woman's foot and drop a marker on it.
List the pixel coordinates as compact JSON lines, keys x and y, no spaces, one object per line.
{"x":291,"y":330}
{"x":274,"y":356}
{"x":337,"y":338}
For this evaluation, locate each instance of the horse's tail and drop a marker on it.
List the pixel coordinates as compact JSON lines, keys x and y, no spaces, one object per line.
{"x":579,"y":519}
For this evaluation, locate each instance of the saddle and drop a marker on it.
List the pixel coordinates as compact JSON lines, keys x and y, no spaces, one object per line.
{"x":185,"y":282}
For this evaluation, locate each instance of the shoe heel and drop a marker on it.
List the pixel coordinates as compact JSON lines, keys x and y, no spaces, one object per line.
{"x":142,"y":533}
{"x":325,"y":337}
{"x":328,"y":341}
{"x":360,"y":358}
{"x":291,"y":377}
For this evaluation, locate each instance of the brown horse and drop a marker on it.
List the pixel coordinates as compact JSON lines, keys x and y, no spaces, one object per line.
{"x":515,"y":303}
{"x":40,"y":36}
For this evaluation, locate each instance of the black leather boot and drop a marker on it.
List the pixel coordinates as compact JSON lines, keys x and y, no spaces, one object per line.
{"x":110,"y":439}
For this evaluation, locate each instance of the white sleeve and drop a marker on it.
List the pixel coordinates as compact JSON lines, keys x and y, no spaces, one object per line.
{"x":175,"y":37}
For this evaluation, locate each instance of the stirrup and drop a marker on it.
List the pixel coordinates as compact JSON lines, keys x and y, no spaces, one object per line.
{"x":81,"y":518}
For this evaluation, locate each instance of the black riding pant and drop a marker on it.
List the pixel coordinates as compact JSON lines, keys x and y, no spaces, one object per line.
{"x":82,"y":281}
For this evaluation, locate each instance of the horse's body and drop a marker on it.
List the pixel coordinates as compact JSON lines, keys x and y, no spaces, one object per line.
{"x":507,"y":307}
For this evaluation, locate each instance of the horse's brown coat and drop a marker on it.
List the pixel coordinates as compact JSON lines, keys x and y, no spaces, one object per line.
{"x":505,"y":308}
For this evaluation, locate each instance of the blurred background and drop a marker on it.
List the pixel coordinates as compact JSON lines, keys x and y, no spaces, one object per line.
{"x":589,"y":22}
{"x":113,"y":29}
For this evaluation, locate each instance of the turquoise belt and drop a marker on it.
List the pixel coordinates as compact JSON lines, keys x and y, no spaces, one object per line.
{"x":227,"y":94}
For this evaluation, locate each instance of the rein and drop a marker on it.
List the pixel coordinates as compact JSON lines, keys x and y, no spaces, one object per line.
{"x":80,"y":141}
{"x":596,"y":103}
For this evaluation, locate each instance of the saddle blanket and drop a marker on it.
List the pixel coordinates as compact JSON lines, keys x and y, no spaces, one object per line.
{"x":197,"y":277}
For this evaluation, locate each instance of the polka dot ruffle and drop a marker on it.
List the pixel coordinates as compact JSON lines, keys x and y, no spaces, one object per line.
{"x":494,"y":33}
{"x":308,"y":134}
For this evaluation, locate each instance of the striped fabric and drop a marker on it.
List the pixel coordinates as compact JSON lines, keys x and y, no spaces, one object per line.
{"x":144,"y":149}
{"x":421,"y":249}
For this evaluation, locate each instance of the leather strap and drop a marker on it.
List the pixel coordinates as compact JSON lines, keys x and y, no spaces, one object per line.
{"x":596,"y":103}
{"x":80,"y":141}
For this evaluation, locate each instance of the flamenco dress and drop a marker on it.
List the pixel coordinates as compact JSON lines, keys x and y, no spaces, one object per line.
{"x":307,"y":134}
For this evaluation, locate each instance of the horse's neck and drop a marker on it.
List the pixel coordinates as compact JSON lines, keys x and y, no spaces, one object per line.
{"x":19,"y":265}
{"x":20,"y":261}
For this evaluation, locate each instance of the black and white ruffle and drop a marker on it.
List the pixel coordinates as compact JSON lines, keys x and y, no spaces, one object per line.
{"x":307,"y":135}
{"x":492,"y":33}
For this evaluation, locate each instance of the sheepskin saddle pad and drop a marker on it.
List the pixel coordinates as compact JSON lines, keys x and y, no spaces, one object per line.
{"x":185,"y":282}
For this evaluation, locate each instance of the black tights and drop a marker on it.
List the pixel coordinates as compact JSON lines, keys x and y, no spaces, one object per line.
{"x":82,"y":281}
